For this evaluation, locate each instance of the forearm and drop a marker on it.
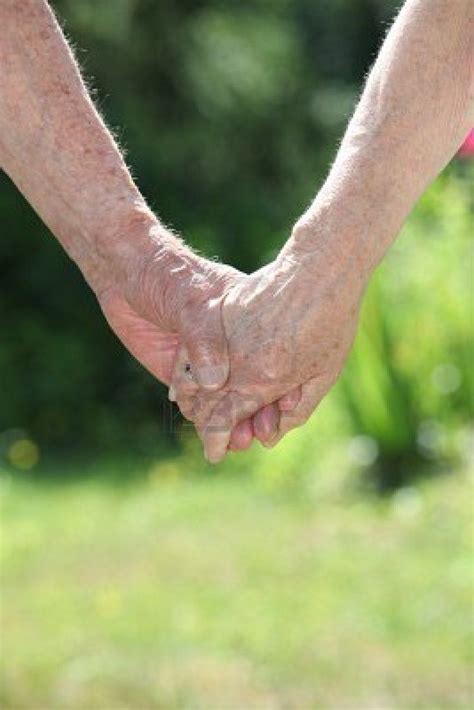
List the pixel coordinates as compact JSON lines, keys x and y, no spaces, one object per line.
{"x":56,"y":148}
{"x":416,"y":108}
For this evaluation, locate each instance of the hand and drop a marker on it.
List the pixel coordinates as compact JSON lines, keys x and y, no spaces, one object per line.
{"x":169,"y":299}
{"x":290,"y":324}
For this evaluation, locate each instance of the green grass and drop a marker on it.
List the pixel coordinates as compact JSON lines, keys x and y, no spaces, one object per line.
{"x":217,"y":592}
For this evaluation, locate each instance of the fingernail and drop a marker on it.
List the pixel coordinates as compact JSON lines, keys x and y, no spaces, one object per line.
{"x":211,"y":458}
{"x":271,"y":442}
{"x":172,"y":394}
{"x":212,"y":375}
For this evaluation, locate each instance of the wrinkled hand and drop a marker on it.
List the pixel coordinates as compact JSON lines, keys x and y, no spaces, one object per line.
{"x":290,"y":324}
{"x":153,"y":315}
{"x":172,"y":300}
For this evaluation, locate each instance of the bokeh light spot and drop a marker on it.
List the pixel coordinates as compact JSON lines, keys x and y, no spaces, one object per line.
{"x":430,"y":439}
{"x":363,"y":450}
{"x":407,"y":502}
{"x":23,"y":454}
{"x":446,"y":378}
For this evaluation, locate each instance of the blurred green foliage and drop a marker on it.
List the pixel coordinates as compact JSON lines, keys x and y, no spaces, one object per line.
{"x":410,"y":379}
{"x":231,"y":113}
{"x":212,"y":592}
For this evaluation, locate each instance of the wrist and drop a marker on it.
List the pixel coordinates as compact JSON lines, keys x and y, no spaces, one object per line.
{"x":153,"y":270}
{"x":333,"y":240}
{"x":126,"y":245}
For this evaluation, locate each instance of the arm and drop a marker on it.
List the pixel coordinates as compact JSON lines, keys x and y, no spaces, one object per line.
{"x":414,"y":113}
{"x":416,"y":110}
{"x":54,"y":145}
{"x":155,"y":292}
{"x":56,"y":148}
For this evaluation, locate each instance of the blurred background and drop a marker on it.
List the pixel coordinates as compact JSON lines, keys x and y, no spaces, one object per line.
{"x":334,"y":571}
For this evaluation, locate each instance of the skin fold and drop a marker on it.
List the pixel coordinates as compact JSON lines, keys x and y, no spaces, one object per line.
{"x":292,"y":324}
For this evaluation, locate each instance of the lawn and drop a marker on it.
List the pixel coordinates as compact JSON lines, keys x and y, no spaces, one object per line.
{"x":216,"y":592}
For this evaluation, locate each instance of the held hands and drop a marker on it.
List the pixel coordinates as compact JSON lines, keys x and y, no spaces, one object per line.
{"x":169,"y":299}
{"x":289,"y":328}
{"x":262,"y":350}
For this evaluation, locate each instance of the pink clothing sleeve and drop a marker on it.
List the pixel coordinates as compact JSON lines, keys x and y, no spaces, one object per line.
{"x":467,"y":148}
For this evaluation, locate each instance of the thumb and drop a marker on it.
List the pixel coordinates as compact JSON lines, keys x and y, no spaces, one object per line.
{"x":207,"y":348}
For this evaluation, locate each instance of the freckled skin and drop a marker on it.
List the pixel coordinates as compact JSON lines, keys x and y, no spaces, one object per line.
{"x":415,"y":112}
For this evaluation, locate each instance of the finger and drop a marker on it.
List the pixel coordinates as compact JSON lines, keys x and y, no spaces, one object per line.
{"x":194,"y":404}
{"x":183,"y":384}
{"x":242,"y":436}
{"x":200,"y":407}
{"x":207,"y":348}
{"x":312,"y":392}
{"x":232,"y":409}
{"x":266,"y":423}
{"x":189,"y":408}
{"x":290,"y":400}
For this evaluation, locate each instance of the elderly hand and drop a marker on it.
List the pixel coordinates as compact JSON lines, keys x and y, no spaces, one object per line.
{"x":170,"y":298}
{"x":289,"y":324}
